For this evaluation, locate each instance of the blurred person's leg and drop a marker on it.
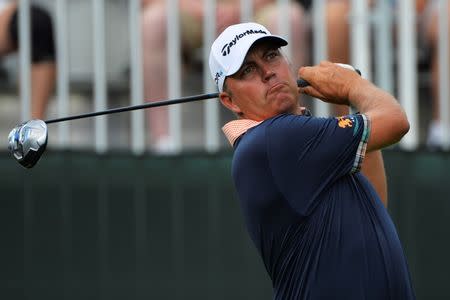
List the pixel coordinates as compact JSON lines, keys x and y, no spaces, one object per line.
{"x":154,"y":43}
{"x":435,"y":130}
{"x":154,"y":37}
{"x":154,"y":46}
{"x":43,"y":66}
{"x":6,"y":44}
{"x":269,"y":14}
{"x":43,"y":77}
{"x":43,"y":57}
{"x":337,"y":12}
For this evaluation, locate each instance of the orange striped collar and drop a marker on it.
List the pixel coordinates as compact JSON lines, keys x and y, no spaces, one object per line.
{"x":234,"y":129}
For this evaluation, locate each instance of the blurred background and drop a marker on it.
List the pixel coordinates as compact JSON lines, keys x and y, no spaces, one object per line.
{"x":141,"y":205}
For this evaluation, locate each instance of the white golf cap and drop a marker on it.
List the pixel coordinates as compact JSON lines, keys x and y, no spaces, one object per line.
{"x":230,"y":48}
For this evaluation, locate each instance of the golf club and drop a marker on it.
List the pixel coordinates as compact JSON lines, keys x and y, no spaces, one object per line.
{"x":27,"y":141}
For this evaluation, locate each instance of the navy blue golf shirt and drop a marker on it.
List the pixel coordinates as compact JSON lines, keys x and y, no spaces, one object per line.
{"x":318,"y":224}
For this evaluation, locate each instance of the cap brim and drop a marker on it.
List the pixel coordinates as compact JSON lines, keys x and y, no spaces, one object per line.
{"x":275,"y":38}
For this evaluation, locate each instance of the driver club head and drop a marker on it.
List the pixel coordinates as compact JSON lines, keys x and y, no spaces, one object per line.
{"x":27,"y":142}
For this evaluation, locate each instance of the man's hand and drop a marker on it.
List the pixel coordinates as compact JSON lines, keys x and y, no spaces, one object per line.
{"x":330,"y":82}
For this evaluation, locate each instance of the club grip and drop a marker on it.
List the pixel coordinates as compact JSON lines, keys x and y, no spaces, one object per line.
{"x":302,"y":83}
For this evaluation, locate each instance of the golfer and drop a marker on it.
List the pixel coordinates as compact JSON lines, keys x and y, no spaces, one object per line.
{"x":316,"y":218}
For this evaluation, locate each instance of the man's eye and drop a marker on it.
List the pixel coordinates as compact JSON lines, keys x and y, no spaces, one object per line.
{"x":271,"y":54}
{"x":247,"y":70}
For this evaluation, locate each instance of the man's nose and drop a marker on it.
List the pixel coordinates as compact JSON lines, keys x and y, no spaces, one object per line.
{"x":267,"y":73}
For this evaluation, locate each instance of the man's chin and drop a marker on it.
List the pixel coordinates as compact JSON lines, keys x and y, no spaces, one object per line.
{"x":289,"y":108}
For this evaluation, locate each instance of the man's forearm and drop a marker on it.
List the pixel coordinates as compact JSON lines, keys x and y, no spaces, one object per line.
{"x":388,"y":119}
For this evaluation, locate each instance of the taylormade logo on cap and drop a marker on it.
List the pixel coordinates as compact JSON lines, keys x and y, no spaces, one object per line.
{"x":226,"y":48}
{"x":230,"y":48}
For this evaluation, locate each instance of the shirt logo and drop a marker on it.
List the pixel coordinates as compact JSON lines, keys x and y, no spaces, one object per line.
{"x":344,"y":122}
{"x":227,"y":47}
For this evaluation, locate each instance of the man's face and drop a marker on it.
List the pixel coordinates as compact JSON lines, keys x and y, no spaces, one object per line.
{"x":264,"y":86}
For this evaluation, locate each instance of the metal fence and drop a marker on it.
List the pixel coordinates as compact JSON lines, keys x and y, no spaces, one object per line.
{"x":404,"y":85}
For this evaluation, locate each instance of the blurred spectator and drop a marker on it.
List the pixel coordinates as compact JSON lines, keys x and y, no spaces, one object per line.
{"x":338,"y":47}
{"x":154,"y":13}
{"x":429,"y":29}
{"x":338,"y":50}
{"x":43,"y":66}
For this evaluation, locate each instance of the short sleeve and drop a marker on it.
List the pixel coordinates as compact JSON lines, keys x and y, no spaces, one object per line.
{"x":307,"y":154}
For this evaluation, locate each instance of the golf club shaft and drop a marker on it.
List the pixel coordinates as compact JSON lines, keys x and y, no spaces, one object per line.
{"x":135,"y":107}
{"x":300,"y":83}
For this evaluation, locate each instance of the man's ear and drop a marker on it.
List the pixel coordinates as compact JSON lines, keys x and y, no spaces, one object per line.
{"x":227,"y":101}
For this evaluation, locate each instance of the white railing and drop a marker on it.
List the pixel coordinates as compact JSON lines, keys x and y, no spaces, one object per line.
{"x":174,"y":70}
{"x":362,"y":18}
{"x":25,"y":59}
{"x":407,"y":73}
{"x":360,"y":37}
{"x":62,"y":56}
{"x":100,"y":93}
{"x":444,"y":71}
{"x":211,"y":114}
{"x":136,"y":80}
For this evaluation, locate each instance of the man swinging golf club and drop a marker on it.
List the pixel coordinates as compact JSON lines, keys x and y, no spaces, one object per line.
{"x":317,"y":221}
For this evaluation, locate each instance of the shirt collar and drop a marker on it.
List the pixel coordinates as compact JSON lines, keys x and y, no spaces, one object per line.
{"x":234,"y":129}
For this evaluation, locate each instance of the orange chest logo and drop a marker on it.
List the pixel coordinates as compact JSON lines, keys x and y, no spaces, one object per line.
{"x":344,"y":122}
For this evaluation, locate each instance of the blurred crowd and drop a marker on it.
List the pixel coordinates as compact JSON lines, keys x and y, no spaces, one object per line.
{"x":154,"y":41}
{"x":43,"y":56}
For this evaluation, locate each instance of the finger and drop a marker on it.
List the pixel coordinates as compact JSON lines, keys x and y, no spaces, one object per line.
{"x":305,"y":73}
{"x":311,"y":91}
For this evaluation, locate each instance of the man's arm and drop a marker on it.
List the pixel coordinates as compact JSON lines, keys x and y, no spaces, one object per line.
{"x":334,"y":84}
{"x":373,"y":168}
{"x":389,"y":123}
